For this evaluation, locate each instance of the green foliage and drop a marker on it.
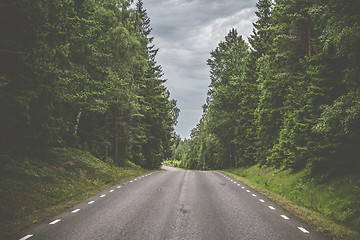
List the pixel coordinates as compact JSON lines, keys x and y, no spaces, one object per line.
{"x":82,"y":74}
{"x":291,"y":100}
{"x":172,"y":163}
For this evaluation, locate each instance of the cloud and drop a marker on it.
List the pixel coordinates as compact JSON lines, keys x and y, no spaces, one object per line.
{"x":186,"y":31}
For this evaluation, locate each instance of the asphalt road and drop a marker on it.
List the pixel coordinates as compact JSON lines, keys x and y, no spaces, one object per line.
{"x":175,"y":204}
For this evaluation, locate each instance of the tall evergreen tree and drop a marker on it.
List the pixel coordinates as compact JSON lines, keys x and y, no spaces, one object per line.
{"x":227,"y":70}
{"x":79,"y":74}
{"x":294,"y":97}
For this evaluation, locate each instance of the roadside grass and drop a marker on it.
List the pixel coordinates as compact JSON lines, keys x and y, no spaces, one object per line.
{"x":330,"y":204}
{"x":33,"y":190}
{"x":172,"y":163}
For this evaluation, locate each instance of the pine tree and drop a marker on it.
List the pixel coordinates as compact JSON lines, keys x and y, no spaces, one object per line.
{"x":262,"y":35}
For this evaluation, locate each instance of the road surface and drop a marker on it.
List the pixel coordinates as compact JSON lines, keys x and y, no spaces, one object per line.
{"x":175,"y":204}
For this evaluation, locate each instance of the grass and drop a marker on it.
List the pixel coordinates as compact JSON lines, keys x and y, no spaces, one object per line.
{"x":33,"y":190}
{"x":172,"y":163}
{"x":330,"y":204}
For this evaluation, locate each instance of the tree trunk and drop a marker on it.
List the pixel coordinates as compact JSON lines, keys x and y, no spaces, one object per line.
{"x":116,"y":157}
{"x":77,"y":121}
{"x":309,"y":37}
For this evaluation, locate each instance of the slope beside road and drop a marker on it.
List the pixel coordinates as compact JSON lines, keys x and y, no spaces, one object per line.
{"x":175,"y":204}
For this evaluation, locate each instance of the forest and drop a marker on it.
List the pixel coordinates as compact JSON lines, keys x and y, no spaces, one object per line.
{"x":289,"y":97}
{"x":82,"y":74}
{"x":83,"y":104}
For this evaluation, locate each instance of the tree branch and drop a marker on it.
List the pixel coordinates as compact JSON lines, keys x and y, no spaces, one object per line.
{"x":13,"y":52}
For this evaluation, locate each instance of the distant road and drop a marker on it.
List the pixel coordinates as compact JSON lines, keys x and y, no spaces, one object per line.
{"x":175,"y":204}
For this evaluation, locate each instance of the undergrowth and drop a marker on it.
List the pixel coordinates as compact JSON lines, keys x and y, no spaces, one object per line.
{"x":172,"y":163}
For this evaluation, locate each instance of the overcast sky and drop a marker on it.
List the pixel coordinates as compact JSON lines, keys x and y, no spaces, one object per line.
{"x":186,"y":31}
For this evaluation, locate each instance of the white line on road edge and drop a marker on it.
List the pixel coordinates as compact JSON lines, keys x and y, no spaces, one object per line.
{"x":254,"y":195}
{"x":131,"y":181}
{"x":75,"y":211}
{"x":91,"y":202}
{"x":284,"y":217}
{"x":26,"y":237}
{"x":102,"y":195}
{"x":303,"y":230}
{"x":118,"y":186}
{"x":239,"y":185}
{"x":111,"y":190}
{"x":248,"y":190}
{"x":271,"y":207}
{"x":55,"y":222}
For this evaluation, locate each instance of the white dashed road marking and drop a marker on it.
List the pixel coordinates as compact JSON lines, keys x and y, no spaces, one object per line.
{"x":26,"y":237}
{"x":303,"y":230}
{"x":91,"y":202}
{"x":261,"y":200}
{"x":77,"y":210}
{"x":55,"y":222}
